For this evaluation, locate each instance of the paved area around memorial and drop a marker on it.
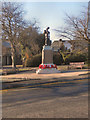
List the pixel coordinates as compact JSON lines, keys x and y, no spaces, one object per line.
{"x":31,"y":75}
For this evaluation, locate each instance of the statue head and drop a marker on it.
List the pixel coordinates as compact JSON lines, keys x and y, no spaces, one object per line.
{"x":47,"y":28}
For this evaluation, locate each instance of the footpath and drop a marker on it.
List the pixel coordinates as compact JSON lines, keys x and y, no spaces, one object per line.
{"x":32,"y":79}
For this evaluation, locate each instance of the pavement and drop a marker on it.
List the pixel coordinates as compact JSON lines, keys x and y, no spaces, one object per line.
{"x":32,"y":79}
{"x":29,"y":75}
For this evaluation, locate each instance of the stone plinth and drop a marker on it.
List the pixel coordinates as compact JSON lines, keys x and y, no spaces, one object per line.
{"x":47,"y":66}
{"x":47,"y":71}
{"x":47,"y":55}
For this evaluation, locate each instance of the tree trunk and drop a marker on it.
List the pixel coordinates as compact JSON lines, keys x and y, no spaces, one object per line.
{"x":13,"y":61}
{"x":13,"y":52}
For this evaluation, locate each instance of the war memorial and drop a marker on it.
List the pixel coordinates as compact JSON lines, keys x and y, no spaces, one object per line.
{"x":47,"y":65}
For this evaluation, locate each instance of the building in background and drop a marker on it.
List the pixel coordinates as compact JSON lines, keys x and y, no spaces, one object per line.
{"x":57,"y":45}
{"x":6,"y":53}
{"x":72,"y":45}
{"x":79,"y":45}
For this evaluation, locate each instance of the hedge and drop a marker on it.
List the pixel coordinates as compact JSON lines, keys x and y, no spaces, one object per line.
{"x":57,"y":59}
{"x":36,"y":60}
{"x":76,"y":58}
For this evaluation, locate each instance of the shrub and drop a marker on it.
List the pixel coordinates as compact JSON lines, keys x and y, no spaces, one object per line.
{"x":57,"y":59}
{"x":34,"y":61}
{"x":78,"y":57}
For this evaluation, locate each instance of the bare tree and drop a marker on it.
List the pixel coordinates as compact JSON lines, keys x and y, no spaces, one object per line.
{"x":30,"y":42}
{"x":76,"y":27}
{"x":12,"y":23}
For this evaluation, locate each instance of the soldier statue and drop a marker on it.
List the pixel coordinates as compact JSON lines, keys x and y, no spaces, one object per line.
{"x":47,"y":37}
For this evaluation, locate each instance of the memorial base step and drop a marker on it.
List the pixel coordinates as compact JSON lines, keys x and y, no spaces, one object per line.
{"x":47,"y":71}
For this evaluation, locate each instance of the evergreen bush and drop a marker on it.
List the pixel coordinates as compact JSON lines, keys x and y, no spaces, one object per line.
{"x":76,"y":57}
{"x":35,"y":61}
{"x":57,"y":59}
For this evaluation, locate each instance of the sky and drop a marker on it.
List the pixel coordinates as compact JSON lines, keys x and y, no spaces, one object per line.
{"x":52,"y":14}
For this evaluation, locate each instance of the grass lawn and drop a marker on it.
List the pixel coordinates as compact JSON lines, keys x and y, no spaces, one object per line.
{"x":20,"y":68}
{"x":65,"y":67}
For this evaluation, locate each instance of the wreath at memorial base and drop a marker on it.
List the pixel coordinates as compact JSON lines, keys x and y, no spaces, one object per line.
{"x":49,"y":66}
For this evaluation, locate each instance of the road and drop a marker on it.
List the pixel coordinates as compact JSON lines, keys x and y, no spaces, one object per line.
{"x":66,"y":99}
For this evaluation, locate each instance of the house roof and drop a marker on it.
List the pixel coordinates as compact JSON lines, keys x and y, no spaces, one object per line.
{"x":58,"y":43}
